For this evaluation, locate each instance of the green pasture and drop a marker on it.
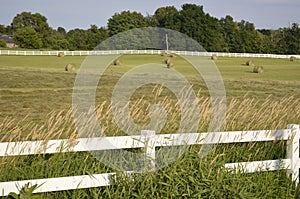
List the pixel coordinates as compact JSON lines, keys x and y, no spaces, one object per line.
{"x":35,"y":102}
{"x":35,"y":85}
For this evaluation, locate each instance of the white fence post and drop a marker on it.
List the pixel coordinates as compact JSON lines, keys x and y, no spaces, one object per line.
{"x":148,"y":140}
{"x":189,"y":53}
{"x":293,"y":151}
{"x":148,"y":137}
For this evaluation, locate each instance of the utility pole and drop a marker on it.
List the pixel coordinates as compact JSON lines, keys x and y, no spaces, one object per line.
{"x":167,"y":42}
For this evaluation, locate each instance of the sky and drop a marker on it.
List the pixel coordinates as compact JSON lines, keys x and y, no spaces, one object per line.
{"x":71,"y":14}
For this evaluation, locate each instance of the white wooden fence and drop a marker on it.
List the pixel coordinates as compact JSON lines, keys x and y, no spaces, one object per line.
{"x":112,"y":52}
{"x":291,"y":164}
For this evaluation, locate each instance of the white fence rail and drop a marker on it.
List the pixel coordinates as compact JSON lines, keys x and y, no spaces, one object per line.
{"x":112,"y":52}
{"x":291,"y":164}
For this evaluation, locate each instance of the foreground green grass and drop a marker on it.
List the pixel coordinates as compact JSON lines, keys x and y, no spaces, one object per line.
{"x":188,"y":177}
{"x":35,"y":103}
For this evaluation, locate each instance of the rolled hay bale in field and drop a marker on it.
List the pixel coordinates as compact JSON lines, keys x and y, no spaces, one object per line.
{"x":61,"y":54}
{"x":170,"y":64}
{"x":258,"y":69}
{"x":214,"y":57}
{"x":70,"y":67}
{"x":163,"y":53}
{"x":117,"y":62}
{"x":249,"y":63}
{"x":293,"y":58}
{"x":167,"y":60}
{"x":173,"y":55}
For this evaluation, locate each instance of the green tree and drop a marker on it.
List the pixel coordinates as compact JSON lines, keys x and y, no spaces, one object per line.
{"x":51,"y":40}
{"x":214,"y":39}
{"x":201,"y":27}
{"x":61,"y":30}
{"x":278,"y":41}
{"x":252,"y":39}
{"x":86,"y":39}
{"x":151,"y":21}
{"x":6,"y":29}
{"x":266,"y":40}
{"x":230,"y":31}
{"x":2,"y":29}
{"x":77,"y":39}
{"x":61,"y":44}
{"x":168,"y":17}
{"x":35,"y":21}
{"x":95,"y":36}
{"x":57,"y":40}
{"x":2,"y":43}
{"x":27,"y":37}
{"x":292,"y":39}
{"x":26,"y":19}
{"x":125,"y":20}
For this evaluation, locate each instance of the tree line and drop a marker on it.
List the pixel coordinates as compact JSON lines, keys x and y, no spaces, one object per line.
{"x":224,"y":35}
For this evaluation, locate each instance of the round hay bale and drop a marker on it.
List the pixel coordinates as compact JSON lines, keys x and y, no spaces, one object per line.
{"x":258,"y":69}
{"x":214,"y":57}
{"x":117,"y":62}
{"x":293,"y":58}
{"x":167,"y":60}
{"x":163,"y":53}
{"x":70,"y":67}
{"x":171,"y":64}
{"x":249,"y":63}
{"x":61,"y":54}
{"x":173,"y":55}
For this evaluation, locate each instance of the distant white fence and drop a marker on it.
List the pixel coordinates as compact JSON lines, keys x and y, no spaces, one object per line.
{"x":116,"y":52}
{"x":149,"y":140}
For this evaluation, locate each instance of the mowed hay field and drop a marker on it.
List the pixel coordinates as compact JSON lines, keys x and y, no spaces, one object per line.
{"x":33,"y":86}
{"x":36,"y":99}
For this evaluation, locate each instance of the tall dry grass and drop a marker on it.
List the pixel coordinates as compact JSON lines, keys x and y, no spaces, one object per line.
{"x":189,"y":175}
{"x":247,"y":113}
